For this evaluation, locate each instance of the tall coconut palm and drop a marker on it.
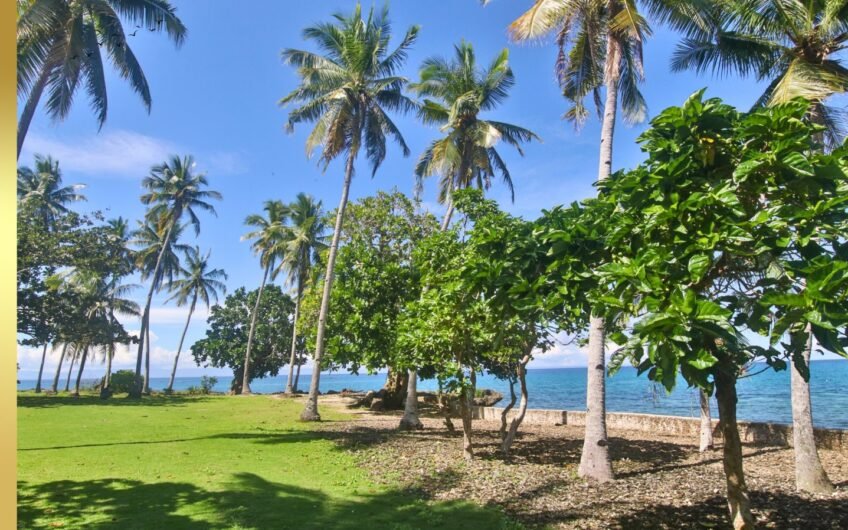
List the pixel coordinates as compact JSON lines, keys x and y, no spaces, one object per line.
{"x":307,"y":239}
{"x":59,"y":46}
{"x":793,"y":45}
{"x":455,"y":93}
{"x":269,"y":244}
{"x":346,"y":90}
{"x":174,"y":191}
{"x":198,"y":282}
{"x":600,"y":55}
{"x":42,"y":186}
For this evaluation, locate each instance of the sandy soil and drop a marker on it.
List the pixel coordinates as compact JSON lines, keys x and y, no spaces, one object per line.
{"x":662,"y":481}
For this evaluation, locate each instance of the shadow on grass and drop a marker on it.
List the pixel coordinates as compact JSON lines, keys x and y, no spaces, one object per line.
{"x":32,"y":400}
{"x":772,"y":510}
{"x":247,"y":501}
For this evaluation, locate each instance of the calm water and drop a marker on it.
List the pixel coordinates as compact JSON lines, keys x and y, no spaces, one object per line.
{"x":763,"y":397}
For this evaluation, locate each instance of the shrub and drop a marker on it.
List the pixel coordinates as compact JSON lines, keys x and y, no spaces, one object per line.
{"x":121,"y":382}
{"x":205,"y":388}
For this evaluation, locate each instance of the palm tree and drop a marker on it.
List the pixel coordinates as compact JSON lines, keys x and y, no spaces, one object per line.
{"x":305,"y":243}
{"x":455,"y":92}
{"x":269,"y":245}
{"x":43,"y":186}
{"x":791,"y":44}
{"x":59,"y":45}
{"x":174,"y":191}
{"x":346,"y":91}
{"x":466,"y":156}
{"x":198,"y":282}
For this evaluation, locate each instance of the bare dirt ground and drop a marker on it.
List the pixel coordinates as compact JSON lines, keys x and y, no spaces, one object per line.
{"x":662,"y":481}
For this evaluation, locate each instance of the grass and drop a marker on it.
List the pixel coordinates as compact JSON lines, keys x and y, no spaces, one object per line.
{"x":201,"y":463}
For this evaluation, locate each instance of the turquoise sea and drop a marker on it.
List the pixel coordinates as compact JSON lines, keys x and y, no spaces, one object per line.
{"x":763,"y":397}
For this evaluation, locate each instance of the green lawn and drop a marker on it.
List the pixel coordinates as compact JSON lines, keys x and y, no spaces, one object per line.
{"x":200,"y":463}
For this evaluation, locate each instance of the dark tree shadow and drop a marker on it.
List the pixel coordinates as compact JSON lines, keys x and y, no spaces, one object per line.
{"x":246,"y":501}
{"x":27,"y":400}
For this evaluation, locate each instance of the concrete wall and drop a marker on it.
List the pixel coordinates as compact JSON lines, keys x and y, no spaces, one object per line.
{"x":750,"y":432}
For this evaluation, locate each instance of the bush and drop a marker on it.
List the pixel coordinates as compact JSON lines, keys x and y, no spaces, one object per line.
{"x":122,"y":381}
{"x":206,"y":385}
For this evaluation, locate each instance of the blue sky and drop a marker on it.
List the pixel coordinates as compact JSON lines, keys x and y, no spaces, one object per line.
{"x":216,"y":98}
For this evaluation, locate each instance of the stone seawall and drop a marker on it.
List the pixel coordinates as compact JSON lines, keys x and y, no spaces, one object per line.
{"x":751,"y":432}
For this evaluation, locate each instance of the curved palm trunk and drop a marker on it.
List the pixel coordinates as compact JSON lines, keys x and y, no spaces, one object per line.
{"x":290,"y":387}
{"x":595,"y":461}
{"x":54,"y":387}
{"x":809,"y":473}
{"x":146,"y":386}
{"x":245,"y":383}
{"x":79,"y":373}
{"x":310,"y":410}
{"x":41,"y":369}
{"x":410,"y":420}
{"x":180,"y":347}
{"x":448,"y":214}
{"x":706,"y":422}
{"x":31,"y":105}
{"x":737,"y":492}
{"x":135,"y":393}
{"x":70,"y":371}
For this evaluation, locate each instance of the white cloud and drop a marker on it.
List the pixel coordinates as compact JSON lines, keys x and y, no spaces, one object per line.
{"x":170,"y":315}
{"x":122,"y":154}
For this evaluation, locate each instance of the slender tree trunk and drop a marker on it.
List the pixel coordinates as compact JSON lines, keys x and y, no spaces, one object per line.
{"x":595,"y":461}
{"x":706,"y":422}
{"x":55,"y":386}
{"x":310,"y":410}
{"x":146,"y":386}
{"x":245,"y":383}
{"x":809,"y":473}
{"x":110,"y":352}
{"x":522,"y":406}
{"x":79,"y":374}
{"x":137,"y":389}
{"x":292,"y":360}
{"x":31,"y":105}
{"x":505,"y":413}
{"x":448,"y":214}
{"x":465,"y":416}
{"x":70,"y":371}
{"x":300,"y":361}
{"x":41,"y":369}
{"x":737,"y":493}
{"x":180,"y":347}
{"x":410,"y":420}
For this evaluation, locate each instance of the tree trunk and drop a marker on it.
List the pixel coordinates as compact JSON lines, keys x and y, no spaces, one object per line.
{"x":146,"y":386}
{"x":706,"y":422}
{"x":465,"y":416}
{"x":737,"y":493}
{"x":509,"y":407}
{"x":238,"y":380}
{"x":395,"y":389}
{"x":31,"y":106}
{"x":79,"y":374}
{"x":70,"y":371}
{"x":522,"y":407}
{"x":41,"y":369}
{"x":137,"y":389}
{"x":809,"y":473}
{"x":300,"y":361}
{"x":448,"y":214}
{"x":55,"y":386}
{"x":170,"y":387}
{"x":595,"y":462}
{"x":245,"y":384}
{"x":290,"y":387}
{"x":310,"y":410}
{"x":410,"y":421}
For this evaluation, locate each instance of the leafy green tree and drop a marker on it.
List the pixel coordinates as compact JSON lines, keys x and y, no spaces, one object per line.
{"x":42,"y":187}
{"x":59,"y":45}
{"x":225,"y":343}
{"x":791,"y":44}
{"x":173,"y":191}
{"x":732,"y":218}
{"x":270,"y":237}
{"x":455,"y":92}
{"x":347,"y":90}
{"x":199,"y":281}
{"x":305,"y":243}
